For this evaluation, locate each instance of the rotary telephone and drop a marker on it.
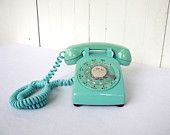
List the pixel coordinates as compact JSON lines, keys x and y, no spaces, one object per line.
{"x":98,"y":78}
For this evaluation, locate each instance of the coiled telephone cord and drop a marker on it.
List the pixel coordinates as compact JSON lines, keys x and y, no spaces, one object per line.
{"x":23,"y":98}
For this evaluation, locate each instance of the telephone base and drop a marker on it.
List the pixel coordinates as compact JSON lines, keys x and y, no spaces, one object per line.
{"x":112,"y":97}
{"x":98,"y":80}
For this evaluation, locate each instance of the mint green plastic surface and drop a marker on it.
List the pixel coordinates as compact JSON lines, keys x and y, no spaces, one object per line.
{"x":106,"y":91}
{"x":87,"y":89}
{"x":74,"y":53}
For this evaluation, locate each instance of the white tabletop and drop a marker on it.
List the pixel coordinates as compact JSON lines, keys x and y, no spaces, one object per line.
{"x":147,"y":111}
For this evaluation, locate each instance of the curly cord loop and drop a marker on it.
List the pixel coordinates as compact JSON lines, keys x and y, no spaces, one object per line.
{"x":23,"y":98}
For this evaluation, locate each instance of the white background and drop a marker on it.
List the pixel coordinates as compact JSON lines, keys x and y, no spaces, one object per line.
{"x":141,"y":25}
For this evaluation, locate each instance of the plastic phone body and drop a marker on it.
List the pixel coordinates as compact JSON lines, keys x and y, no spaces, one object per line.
{"x":98,"y":78}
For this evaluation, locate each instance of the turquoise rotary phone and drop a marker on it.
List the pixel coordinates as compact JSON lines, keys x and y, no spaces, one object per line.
{"x":98,"y":78}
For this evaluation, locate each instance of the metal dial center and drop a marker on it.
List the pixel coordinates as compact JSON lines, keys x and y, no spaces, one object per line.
{"x":98,"y":72}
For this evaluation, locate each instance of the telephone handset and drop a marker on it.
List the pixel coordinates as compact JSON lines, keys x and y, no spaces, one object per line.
{"x":98,"y":79}
{"x":74,"y":53}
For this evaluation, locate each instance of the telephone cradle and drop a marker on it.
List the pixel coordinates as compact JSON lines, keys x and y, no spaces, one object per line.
{"x":98,"y":78}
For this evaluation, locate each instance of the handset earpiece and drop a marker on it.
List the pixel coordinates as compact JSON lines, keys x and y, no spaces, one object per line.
{"x":123,"y":56}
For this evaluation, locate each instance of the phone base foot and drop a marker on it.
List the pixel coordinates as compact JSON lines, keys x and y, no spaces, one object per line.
{"x":120,"y":105}
{"x":77,"y":105}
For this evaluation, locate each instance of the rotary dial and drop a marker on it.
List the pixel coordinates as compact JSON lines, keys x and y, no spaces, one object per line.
{"x":98,"y":74}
